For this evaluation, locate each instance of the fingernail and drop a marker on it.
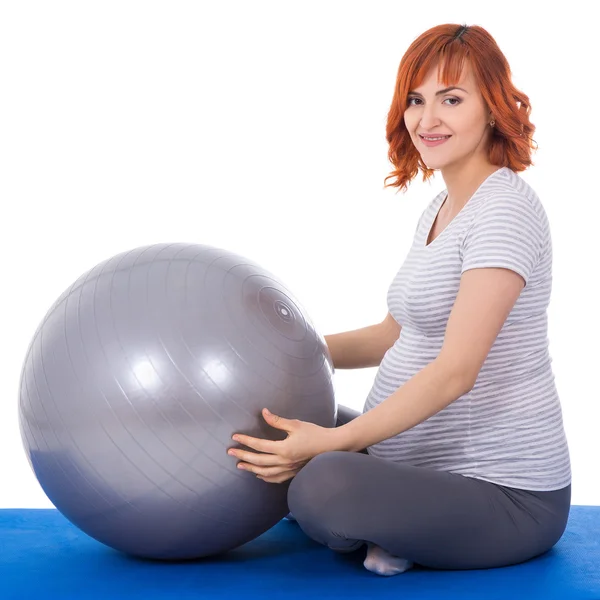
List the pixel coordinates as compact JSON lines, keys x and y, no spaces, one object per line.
{"x":241,"y":467}
{"x":231,"y":453}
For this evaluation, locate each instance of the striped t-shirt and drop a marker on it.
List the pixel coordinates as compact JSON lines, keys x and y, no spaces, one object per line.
{"x":509,"y":428}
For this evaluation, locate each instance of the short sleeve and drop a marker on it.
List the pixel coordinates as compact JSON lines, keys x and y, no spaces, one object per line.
{"x":506,"y":232}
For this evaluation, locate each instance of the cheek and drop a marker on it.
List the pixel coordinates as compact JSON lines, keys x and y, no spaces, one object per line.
{"x":472,"y":124}
{"x":469,"y":129}
{"x":410,"y":122}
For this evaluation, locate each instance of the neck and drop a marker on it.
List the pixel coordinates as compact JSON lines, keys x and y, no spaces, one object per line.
{"x":463,"y":180}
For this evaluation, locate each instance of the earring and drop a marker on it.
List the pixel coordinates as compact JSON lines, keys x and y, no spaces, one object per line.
{"x":492,"y":123}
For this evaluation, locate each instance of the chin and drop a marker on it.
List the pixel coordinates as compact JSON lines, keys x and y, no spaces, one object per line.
{"x":435,"y":165}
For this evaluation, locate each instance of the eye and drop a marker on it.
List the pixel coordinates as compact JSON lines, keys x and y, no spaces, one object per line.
{"x":456,"y":101}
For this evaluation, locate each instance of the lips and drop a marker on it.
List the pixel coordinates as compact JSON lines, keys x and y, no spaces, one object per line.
{"x":433,"y":136}
{"x":435,"y":142}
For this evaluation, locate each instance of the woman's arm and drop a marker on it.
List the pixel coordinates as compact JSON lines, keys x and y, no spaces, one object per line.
{"x":425,"y":394}
{"x":365,"y":347}
{"x":485,"y":299}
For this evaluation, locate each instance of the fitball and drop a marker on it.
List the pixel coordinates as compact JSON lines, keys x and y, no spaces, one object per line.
{"x":137,"y":378}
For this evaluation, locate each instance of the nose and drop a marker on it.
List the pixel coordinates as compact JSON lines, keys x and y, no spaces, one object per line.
{"x":428,"y":118}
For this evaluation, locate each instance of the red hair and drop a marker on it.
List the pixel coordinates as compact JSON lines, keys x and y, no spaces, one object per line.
{"x":451,"y":47}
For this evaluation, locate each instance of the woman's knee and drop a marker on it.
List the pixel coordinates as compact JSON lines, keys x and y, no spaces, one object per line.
{"x":314,"y":497}
{"x":318,"y":483}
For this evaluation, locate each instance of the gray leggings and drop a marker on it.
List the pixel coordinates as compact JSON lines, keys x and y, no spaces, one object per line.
{"x":436,"y":519}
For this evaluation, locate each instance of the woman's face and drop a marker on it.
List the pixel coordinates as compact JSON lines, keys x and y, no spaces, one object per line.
{"x":461,"y":114}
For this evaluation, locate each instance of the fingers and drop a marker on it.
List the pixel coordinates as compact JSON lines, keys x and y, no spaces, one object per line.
{"x":280,"y":478}
{"x":268,"y":471}
{"x":277,"y":421}
{"x":256,"y":443}
{"x":264,"y":460}
{"x":263,"y":445}
{"x":265,"y":465}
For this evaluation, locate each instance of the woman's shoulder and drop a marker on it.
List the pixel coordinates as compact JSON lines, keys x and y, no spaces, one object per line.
{"x":510,"y":188}
{"x":507,"y":196}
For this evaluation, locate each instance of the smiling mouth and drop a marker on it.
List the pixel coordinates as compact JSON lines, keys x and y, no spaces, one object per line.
{"x":434,"y":138}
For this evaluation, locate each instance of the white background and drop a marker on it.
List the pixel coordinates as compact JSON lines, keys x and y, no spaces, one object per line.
{"x":259,"y":127}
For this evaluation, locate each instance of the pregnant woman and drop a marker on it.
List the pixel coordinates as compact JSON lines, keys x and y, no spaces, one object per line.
{"x":459,"y":459}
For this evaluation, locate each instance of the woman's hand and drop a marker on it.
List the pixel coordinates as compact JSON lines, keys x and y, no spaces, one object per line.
{"x":282,"y":460}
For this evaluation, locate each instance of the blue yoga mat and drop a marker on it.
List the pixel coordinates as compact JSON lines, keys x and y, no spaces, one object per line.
{"x":43,"y":556}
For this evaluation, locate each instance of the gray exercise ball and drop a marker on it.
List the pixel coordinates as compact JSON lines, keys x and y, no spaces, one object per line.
{"x":137,"y":378}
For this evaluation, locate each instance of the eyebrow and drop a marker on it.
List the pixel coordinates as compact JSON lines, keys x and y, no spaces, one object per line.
{"x":445,"y":90}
